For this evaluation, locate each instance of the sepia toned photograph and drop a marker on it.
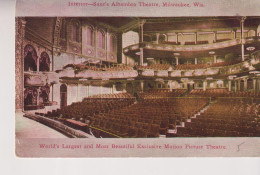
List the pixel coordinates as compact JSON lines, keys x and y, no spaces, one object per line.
{"x":143,"y":86}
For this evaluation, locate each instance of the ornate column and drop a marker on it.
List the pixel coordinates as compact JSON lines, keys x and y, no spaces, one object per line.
{"x":242,"y":38}
{"x":19,"y":63}
{"x":239,"y":85}
{"x":204,"y":85}
{"x":254,"y":85}
{"x":124,"y":86}
{"x":245,"y":84}
{"x":215,"y":58}
{"x":142,"y":86}
{"x":141,"y":39}
{"x":195,"y":37}
{"x":196,"y":61}
{"x":157,"y":38}
{"x":215,"y":37}
{"x":229,"y":85}
{"x":113,"y":88}
{"x":235,"y":86}
{"x":234,"y":33}
{"x":177,"y":60}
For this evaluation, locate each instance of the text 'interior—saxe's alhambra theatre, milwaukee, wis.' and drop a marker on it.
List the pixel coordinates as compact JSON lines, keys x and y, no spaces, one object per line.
{"x":140,"y":77}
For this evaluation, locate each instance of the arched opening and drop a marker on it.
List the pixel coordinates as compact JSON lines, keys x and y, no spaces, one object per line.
{"x":75,"y":36}
{"x":119,"y":86}
{"x":233,"y":86}
{"x":129,"y":88}
{"x":44,"y":62}
{"x":63,"y":31}
{"x":30,"y":59}
{"x":242,"y":85}
{"x":199,"y":84}
{"x":250,"y":84}
{"x":44,"y":94}
{"x":162,"y":38}
{"x":30,"y":96}
{"x":112,"y":43}
{"x":63,"y":95}
{"x":101,"y":39}
{"x":251,"y":33}
{"x":90,"y":37}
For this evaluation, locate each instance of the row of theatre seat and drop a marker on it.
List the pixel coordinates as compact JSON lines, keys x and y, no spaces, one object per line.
{"x":99,"y":68}
{"x":149,"y":118}
{"x":155,"y":67}
{"x":204,"y":66}
{"x":154,"y":117}
{"x":192,"y":42}
{"x":152,"y":66}
{"x":90,"y":107}
{"x":112,"y":96}
{"x":221,"y":92}
{"x":187,"y":66}
{"x":225,"y":118}
{"x":161,"y":93}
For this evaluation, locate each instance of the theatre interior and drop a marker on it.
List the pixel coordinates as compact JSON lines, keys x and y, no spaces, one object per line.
{"x":138,"y":77}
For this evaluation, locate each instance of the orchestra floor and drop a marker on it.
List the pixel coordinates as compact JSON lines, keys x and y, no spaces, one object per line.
{"x":27,"y":128}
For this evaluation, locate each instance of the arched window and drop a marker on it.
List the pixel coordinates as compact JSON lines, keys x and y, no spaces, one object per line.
{"x":112,"y":43}
{"x":44,"y":62}
{"x":90,"y":36}
{"x":75,"y":31}
{"x":63,"y":31}
{"x":101,"y":39}
{"x":30,"y":58}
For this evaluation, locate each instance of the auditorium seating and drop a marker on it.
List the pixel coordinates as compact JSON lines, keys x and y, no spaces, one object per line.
{"x":161,"y":93}
{"x":93,"y":105}
{"x":245,"y":94}
{"x":155,"y":67}
{"x":98,"y":67}
{"x":202,"y":42}
{"x":221,"y":40}
{"x":189,"y":43}
{"x":171,"y":42}
{"x":148,"y":118}
{"x":228,"y":117}
{"x":110,"y":96}
{"x":190,"y":66}
{"x":214,"y":92}
{"x":221,"y":64}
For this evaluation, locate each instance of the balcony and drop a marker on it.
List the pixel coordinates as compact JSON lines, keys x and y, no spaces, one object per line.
{"x":40,"y":78}
{"x":166,"y":49}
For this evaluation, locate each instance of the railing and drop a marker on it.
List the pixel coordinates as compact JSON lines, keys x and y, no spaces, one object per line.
{"x":187,"y":48}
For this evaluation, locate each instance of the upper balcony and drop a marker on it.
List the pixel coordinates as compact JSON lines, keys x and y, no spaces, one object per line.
{"x":167,"y":49}
{"x":33,"y":78}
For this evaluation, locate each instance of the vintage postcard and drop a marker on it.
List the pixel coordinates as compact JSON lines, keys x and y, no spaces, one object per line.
{"x":137,"y":78}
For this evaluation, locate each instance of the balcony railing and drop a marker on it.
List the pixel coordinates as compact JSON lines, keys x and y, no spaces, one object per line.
{"x":187,"y":48}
